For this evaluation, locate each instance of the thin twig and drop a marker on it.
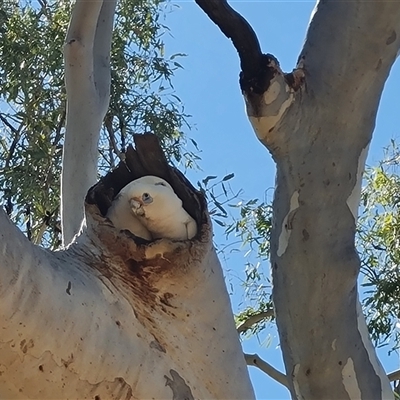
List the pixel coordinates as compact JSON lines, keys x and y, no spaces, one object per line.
{"x":58,"y":135}
{"x":111,"y":138}
{"x":39,"y":233}
{"x":5,"y":122}
{"x":255,"y":361}
{"x":17,"y":137}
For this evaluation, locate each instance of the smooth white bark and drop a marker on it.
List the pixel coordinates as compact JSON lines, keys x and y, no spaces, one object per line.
{"x":256,"y":361}
{"x":110,"y":319}
{"x":87,"y":78}
{"x":107,"y":318}
{"x":319,"y":142}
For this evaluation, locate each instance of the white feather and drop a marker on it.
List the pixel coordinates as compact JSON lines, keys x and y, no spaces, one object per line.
{"x":163,"y":214}
{"x":121,"y":215}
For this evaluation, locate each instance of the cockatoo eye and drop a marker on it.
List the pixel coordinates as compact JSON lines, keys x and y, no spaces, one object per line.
{"x":146,"y":198}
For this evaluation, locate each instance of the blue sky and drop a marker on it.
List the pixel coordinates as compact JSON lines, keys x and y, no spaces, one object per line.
{"x":208,"y":86}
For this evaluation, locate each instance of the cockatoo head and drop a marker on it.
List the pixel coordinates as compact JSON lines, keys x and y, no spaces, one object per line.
{"x":152,"y":197}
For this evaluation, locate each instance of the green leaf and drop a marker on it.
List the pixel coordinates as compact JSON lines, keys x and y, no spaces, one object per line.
{"x":208,"y":178}
{"x":228,"y":177}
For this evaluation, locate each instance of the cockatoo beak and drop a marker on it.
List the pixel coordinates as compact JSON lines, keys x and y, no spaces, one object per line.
{"x":137,"y":206}
{"x":136,"y":202}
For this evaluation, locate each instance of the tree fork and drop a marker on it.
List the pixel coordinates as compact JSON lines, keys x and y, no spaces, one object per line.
{"x":319,"y":138}
{"x":267,"y":90}
{"x":123,"y":317}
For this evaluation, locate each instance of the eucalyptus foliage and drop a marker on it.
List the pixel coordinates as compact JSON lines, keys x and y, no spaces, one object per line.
{"x":378,"y":242}
{"x":32,"y":102}
{"x":379,"y":248}
{"x":253,"y":227}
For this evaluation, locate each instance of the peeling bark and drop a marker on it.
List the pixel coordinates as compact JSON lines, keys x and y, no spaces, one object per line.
{"x":113,"y":317}
{"x":317,"y":122}
{"x":320,"y":147}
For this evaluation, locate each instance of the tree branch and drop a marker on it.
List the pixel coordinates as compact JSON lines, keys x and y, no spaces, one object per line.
{"x":78,"y":50}
{"x":236,"y":28}
{"x":101,"y":52}
{"x":254,"y":319}
{"x":58,"y":135}
{"x":87,"y":78}
{"x":82,"y":26}
{"x":17,"y":136}
{"x":5,"y":122}
{"x":394,"y":376}
{"x":255,"y":361}
{"x":111,"y":139}
{"x":258,"y":69}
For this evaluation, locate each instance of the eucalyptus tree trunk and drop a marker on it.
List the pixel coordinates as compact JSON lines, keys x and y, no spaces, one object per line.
{"x":317,"y":122}
{"x":113,"y":316}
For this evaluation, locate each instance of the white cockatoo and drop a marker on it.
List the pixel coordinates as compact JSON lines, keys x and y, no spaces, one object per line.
{"x":123,"y":218}
{"x":155,"y":204}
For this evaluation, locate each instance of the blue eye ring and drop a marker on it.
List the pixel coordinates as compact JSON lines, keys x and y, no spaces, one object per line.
{"x":146,"y":198}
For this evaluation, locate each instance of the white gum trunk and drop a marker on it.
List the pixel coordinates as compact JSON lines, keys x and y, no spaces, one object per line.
{"x":87,"y":80}
{"x":107,"y":319}
{"x":319,"y":138}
